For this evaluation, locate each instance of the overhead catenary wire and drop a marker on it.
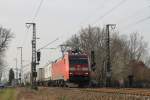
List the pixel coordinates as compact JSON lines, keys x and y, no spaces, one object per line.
{"x":136,"y":23}
{"x":48,"y":44}
{"x":82,"y":22}
{"x":96,"y":10}
{"x":38,"y":10}
{"x":110,"y":11}
{"x":142,"y":20}
{"x":33,"y":19}
{"x":132,"y":15}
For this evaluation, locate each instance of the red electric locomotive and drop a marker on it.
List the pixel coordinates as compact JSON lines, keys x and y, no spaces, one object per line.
{"x":73,"y":68}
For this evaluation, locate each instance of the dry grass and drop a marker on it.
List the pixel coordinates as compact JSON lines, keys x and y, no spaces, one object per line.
{"x":70,"y":94}
{"x":8,"y":94}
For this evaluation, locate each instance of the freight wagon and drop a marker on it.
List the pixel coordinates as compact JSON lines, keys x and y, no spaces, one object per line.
{"x":40,"y":76}
{"x":47,"y":74}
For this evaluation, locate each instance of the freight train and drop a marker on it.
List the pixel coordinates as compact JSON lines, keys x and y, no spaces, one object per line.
{"x":70,"y":70}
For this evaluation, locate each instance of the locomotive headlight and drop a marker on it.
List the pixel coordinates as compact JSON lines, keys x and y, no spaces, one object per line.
{"x":84,"y":69}
{"x":70,"y":73}
{"x":86,"y":73}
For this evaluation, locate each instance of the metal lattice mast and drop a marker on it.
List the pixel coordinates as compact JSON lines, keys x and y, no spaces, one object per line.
{"x":33,"y":64}
{"x":108,"y":64}
{"x":21,"y":72}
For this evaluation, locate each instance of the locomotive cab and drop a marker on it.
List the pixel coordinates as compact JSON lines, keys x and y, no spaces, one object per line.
{"x":72,"y":68}
{"x":79,"y":69}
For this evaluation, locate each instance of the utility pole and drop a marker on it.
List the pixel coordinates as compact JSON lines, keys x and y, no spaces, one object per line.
{"x":16,"y":71}
{"x":21,"y":72}
{"x":108,"y":64}
{"x":33,"y":63}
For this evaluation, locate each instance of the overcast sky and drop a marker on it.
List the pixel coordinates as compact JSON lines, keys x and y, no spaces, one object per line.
{"x":63,"y":18}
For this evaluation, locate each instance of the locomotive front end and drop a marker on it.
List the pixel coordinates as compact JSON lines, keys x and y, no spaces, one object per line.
{"x":79,"y":69}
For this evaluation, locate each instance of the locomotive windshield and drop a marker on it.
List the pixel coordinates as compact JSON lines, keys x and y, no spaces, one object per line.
{"x":78,"y":61}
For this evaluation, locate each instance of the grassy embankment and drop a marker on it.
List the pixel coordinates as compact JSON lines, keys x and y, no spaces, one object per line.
{"x":8,"y":94}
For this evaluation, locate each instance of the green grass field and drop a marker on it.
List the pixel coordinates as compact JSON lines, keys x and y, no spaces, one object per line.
{"x":8,"y":94}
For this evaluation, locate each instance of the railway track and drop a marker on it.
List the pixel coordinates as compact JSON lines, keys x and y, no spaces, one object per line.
{"x":100,"y":93}
{"x":125,"y":91}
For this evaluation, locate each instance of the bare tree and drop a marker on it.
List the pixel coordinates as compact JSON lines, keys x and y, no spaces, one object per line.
{"x":147,"y":60}
{"x":91,"y":38}
{"x":74,"y":42}
{"x":11,"y":76}
{"x":123,"y":50}
{"x":119,"y":56}
{"x":137,"y":46}
{"x":5,"y":37}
